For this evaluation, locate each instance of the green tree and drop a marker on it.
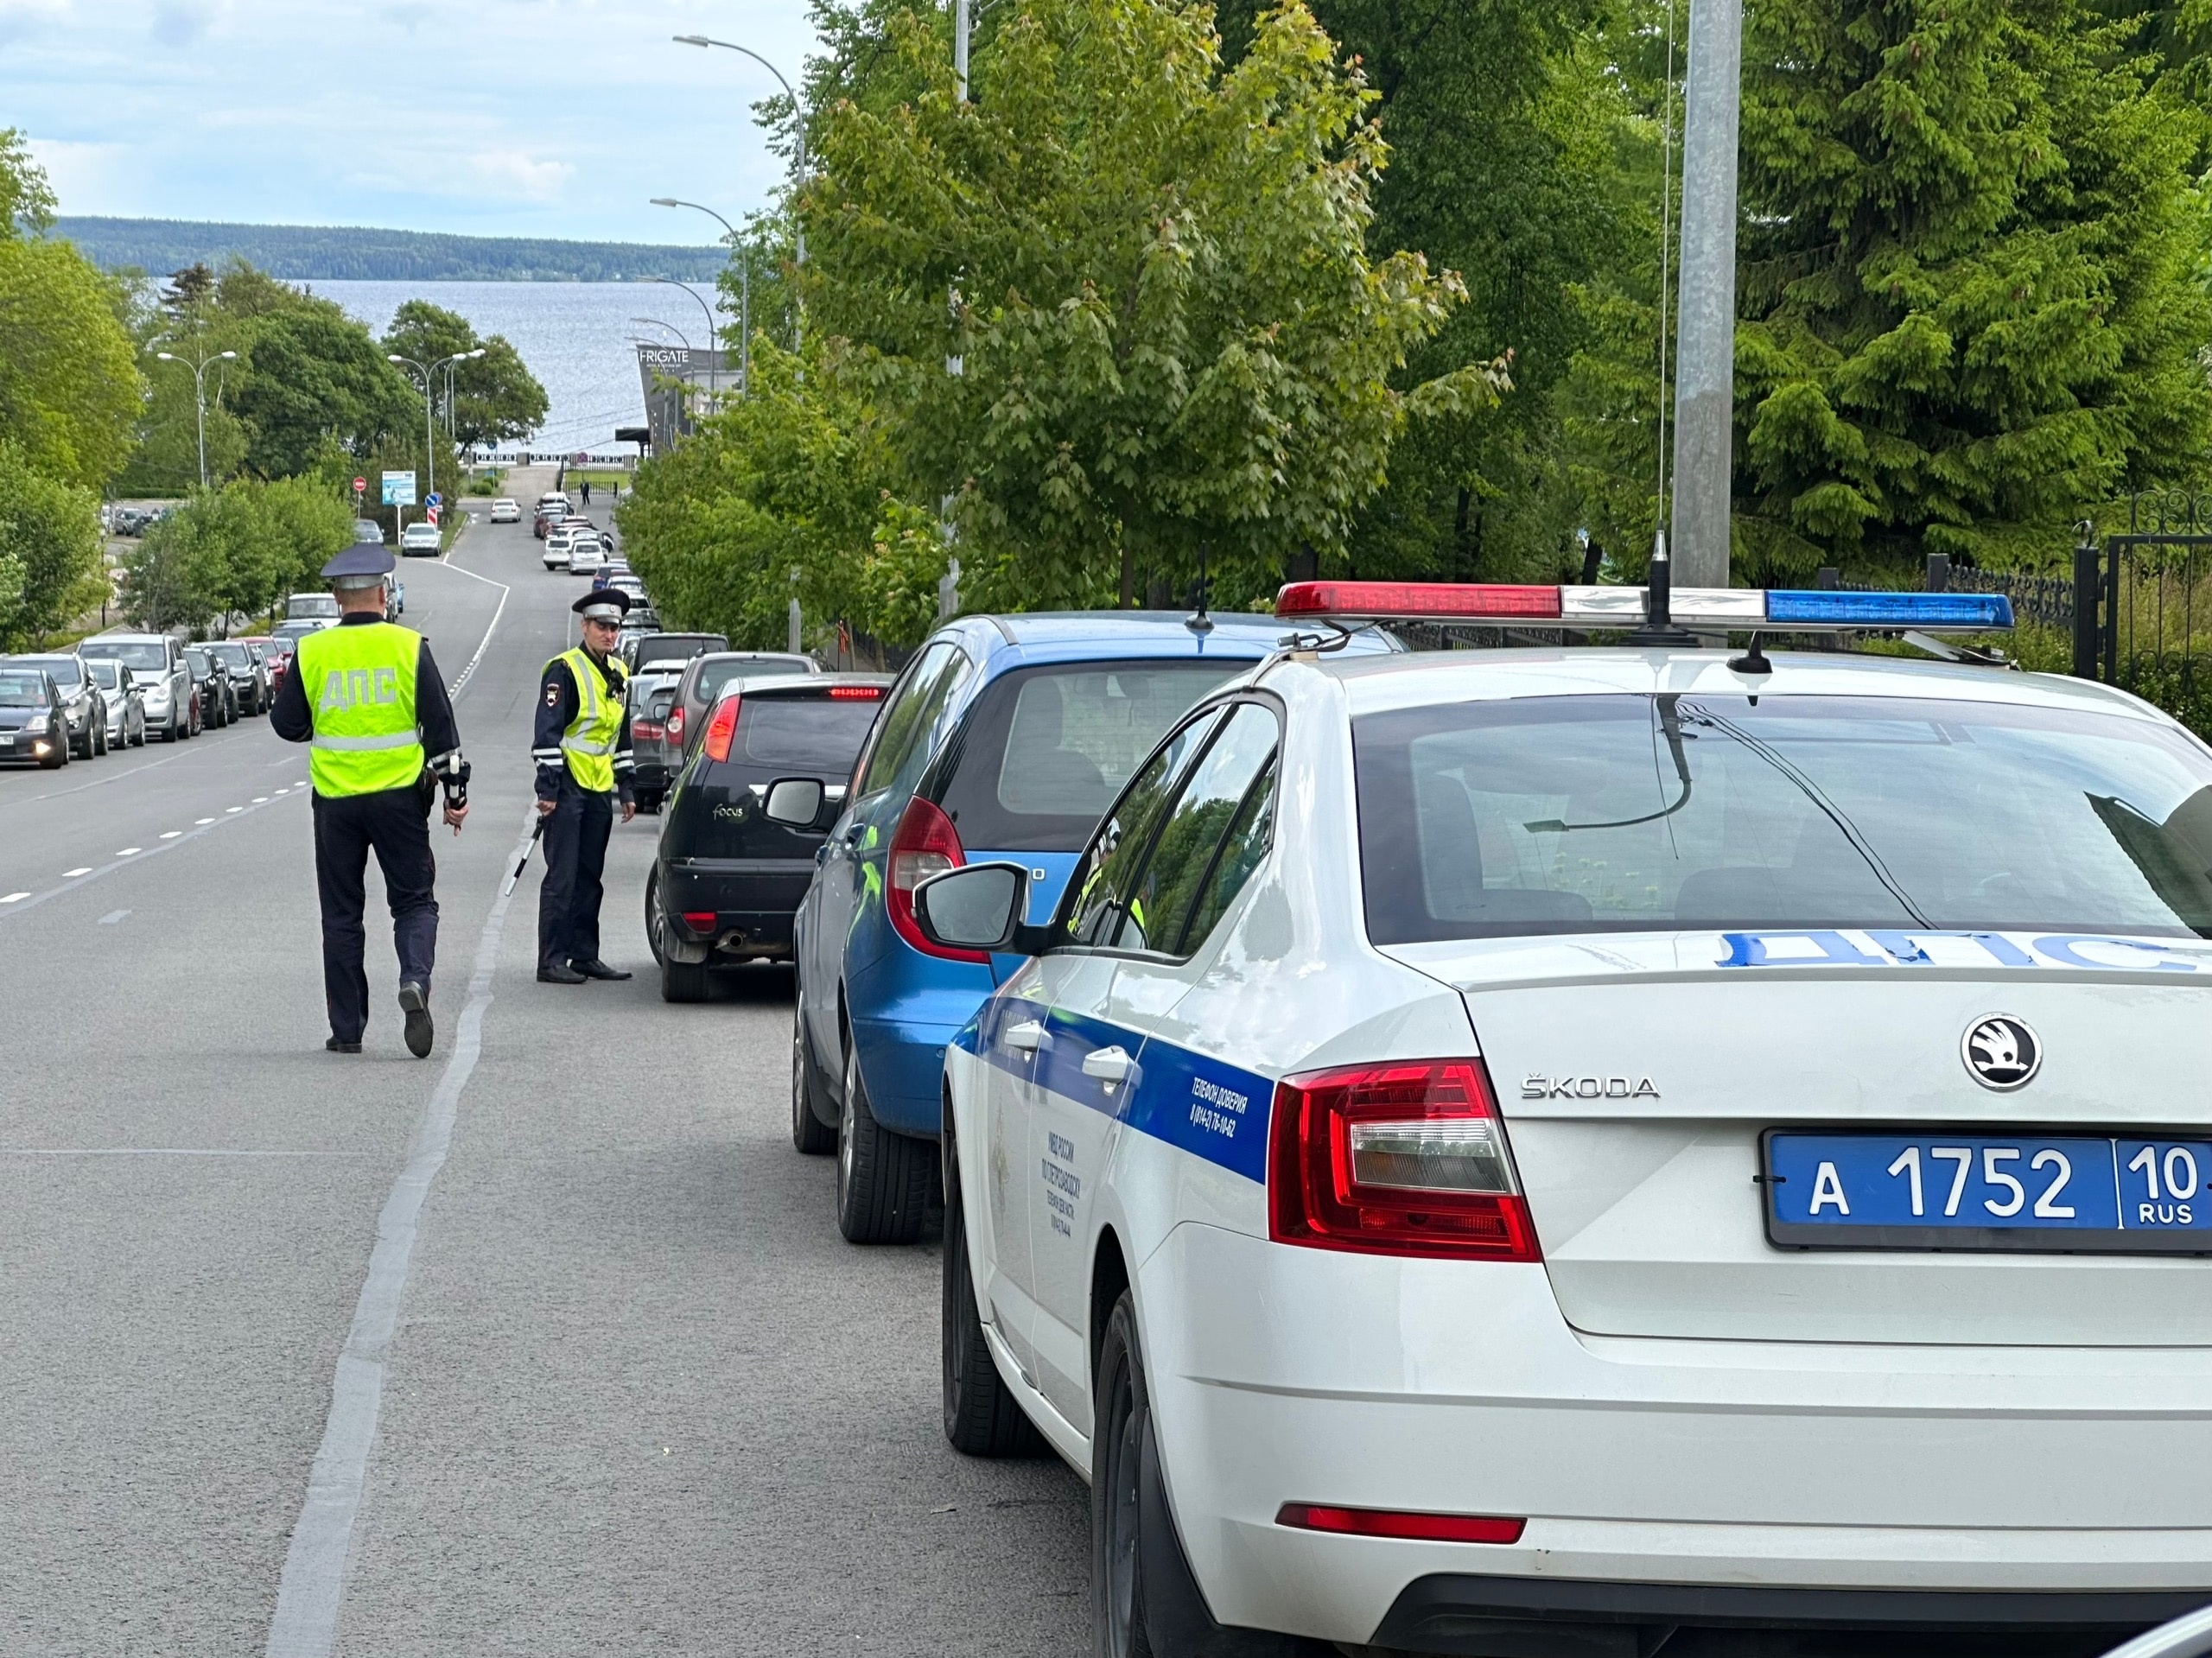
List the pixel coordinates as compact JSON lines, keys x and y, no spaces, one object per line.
{"x":1971,"y":296}
{"x":235,"y":551}
{"x":27,"y":201}
{"x":1504,"y":123}
{"x":800,"y":476}
{"x":68,"y":388}
{"x":50,"y":564}
{"x":1152,"y":270}
{"x":496,"y":397}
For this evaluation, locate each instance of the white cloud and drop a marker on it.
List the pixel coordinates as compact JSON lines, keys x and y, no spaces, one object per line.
{"x":19,"y":17}
{"x":180,"y":22}
{"x":515,"y":174}
{"x":77,"y":170}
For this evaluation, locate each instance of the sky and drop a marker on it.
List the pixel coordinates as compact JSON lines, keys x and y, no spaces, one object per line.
{"x":489,"y":117}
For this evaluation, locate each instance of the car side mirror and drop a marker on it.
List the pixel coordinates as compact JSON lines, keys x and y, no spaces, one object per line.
{"x":978,"y":906}
{"x":795,"y":802}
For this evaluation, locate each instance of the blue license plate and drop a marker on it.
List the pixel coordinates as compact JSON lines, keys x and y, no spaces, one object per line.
{"x":2052,"y":1192}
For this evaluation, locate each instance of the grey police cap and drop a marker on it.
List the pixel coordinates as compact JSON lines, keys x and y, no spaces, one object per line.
{"x":359,"y":565}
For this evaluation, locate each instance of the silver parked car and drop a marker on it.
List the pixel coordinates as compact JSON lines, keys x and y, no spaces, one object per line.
{"x":126,"y":704}
{"x":81,"y":703}
{"x":157,"y":668}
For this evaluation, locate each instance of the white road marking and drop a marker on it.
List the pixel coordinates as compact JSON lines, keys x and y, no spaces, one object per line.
{"x":202,"y":822}
{"x":261,"y":800}
{"x":113,"y":917}
{"x":484,"y":644}
{"x":72,"y":874}
{"x":129,"y":850}
{"x":15,"y":898}
{"x":71,"y":883}
{"x":227,"y":811}
{"x":171,"y":835}
{"x":313,"y":1585}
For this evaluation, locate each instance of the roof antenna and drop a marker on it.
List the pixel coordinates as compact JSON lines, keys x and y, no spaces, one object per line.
{"x":1753,"y":661}
{"x":1658,"y":602}
{"x":1198,"y":621}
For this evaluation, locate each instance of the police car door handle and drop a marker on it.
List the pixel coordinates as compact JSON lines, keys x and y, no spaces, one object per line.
{"x":1028,"y":1036}
{"x":1108,"y":1065}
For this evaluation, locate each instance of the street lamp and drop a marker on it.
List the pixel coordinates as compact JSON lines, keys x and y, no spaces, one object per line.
{"x":452,"y":364}
{"x":655,"y":322}
{"x":199,"y":395}
{"x":429,"y":373}
{"x":798,"y":158}
{"x":743,"y":290}
{"x":713,"y":337}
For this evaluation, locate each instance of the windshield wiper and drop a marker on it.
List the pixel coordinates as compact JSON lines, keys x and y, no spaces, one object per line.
{"x":1671,"y":726}
{"x":1812,"y":792}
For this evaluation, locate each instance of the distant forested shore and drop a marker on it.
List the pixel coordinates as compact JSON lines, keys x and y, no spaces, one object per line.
{"x":328,"y":253}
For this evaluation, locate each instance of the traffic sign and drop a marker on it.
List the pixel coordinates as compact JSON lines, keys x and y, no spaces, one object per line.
{"x":434,"y":499}
{"x":399,"y":489}
{"x":359,"y":484}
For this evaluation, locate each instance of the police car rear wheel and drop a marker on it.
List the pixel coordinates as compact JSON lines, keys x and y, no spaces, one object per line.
{"x":982,"y":1417}
{"x":808,"y":1133}
{"x":883,"y":1178}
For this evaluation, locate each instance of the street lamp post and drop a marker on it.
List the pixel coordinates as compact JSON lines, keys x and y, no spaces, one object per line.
{"x":429,"y":373}
{"x":198,"y":368}
{"x":655,"y":322}
{"x":799,"y":156}
{"x":453,"y":364}
{"x":713,"y":337}
{"x":743,"y":290}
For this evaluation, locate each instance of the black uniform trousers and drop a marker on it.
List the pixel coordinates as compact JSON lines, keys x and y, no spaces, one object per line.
{"x":347,"y":826}
{"x":575,"y":858}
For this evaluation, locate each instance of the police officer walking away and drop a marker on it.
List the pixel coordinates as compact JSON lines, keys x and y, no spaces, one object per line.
{"x":582,"y":750}
{"x":369,"y":703}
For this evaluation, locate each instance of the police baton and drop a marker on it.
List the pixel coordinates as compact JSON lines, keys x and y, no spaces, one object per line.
{"x":508,"y":890}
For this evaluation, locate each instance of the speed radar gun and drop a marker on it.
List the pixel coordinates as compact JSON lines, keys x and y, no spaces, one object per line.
{"x":515,"y":875}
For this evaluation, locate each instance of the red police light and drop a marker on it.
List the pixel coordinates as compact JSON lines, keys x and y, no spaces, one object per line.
{"x":1441,"y":600}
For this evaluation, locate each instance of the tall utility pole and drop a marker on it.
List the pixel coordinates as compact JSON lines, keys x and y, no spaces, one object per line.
{"x":1704,"y":350}
{"x":960,"y":45}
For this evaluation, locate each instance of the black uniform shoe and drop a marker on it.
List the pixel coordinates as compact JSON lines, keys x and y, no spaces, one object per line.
{"x":416,"y":1004}
{"x":335,"y":1047}
{"x":559,"y":975}
{"x":595,"y":969}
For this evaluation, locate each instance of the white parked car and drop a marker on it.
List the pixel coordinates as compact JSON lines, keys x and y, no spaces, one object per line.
{"x":506,"y":510}
{"x":555,"y":556}
{"x":587,"y":553}
{"x":417,"y":539}
{"x":1559,"y":1145}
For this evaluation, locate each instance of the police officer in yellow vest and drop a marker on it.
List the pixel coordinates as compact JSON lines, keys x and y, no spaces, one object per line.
{"x":367,"y":697}
{"x":582,"y":750}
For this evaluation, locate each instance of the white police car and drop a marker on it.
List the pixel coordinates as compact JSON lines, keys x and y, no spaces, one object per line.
{"x":1522,"y":1151}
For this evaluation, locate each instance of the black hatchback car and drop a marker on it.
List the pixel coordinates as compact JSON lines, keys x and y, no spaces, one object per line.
{"x":249,"y":678}
{"x":727,"y":880}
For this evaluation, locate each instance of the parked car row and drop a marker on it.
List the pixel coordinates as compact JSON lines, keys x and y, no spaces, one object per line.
{"x":115,"y":691}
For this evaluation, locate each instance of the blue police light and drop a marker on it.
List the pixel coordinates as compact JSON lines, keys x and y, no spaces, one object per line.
{"x":1957,"y":612}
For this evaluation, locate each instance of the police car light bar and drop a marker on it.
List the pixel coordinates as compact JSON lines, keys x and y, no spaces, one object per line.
{"x":1725,"y":609}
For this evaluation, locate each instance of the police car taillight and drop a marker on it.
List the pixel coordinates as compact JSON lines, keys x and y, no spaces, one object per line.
{"x":924,"y":844}
{"x":1408,"y":1159}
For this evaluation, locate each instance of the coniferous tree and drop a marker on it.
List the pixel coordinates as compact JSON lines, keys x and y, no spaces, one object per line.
{"x":1968,"y":301}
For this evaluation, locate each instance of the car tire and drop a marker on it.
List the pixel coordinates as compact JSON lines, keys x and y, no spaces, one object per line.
{"x":981,"y":1416}
{"x":883,"y":1178}
{"x":810,"y":1134}
{"x":682,"y":981}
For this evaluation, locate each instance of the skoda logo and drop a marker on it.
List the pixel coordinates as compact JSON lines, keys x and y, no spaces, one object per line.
{"x":2002,"y":1052}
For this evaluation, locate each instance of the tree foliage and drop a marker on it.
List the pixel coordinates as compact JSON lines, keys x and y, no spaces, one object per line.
{"x":235,"y":551}
{"x":800,"y":477}
{"x":1972,"y":292}
{"x":50,"y":568}
{"x":495,"y":397}
{"x":1152,"y":270}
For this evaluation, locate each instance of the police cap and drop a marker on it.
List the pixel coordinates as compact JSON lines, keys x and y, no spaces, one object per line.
{"x":605,"y":604}
{"x":363,"y":564}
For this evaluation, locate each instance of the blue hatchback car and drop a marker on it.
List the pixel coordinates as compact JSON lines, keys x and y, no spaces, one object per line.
{"x":1005,"y":738}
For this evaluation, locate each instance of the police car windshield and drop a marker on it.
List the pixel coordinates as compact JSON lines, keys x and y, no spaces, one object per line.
{"x":21,"y":691}
{"x":1624,"y":813}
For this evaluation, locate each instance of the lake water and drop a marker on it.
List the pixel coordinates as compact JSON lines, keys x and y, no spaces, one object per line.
{"x":576,"y":338}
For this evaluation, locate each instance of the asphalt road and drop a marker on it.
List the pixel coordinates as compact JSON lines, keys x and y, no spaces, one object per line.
{"x":636,"y":1396}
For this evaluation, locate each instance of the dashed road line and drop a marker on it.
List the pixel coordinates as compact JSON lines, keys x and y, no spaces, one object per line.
{"x":123,"y":859}
{"x":130,"y":851}
{"x":72,"y":874}
{"x":171,"y":835}
{"x":113,"y":917}
{"x":15,"y":898}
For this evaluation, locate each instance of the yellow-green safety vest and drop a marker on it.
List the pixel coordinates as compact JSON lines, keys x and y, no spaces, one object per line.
{"x":360,"y":682}
{"x":589,"y":743}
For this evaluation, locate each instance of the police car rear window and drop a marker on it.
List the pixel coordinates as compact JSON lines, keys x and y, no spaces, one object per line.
{"x":1623,"y":813}
{"x":1047,"y":749}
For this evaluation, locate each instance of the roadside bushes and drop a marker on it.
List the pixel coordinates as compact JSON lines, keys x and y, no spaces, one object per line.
{"x":235,"y":551}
